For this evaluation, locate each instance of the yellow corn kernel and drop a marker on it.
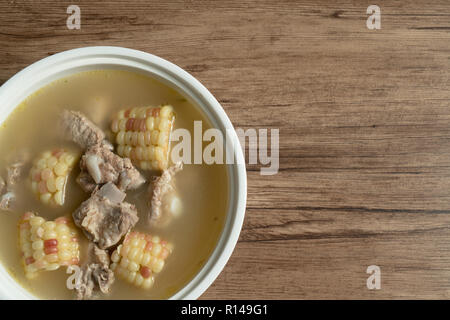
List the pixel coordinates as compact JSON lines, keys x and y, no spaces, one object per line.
{"x":60,"y":183}
{"x":124,"y":263}
{"x":49,"y":225}
{"x":122,"y":125}
{"x":158,"y":265}
{"x":156,"y":249}
{"x":51,"y":162}
{"x":41,"y":164}
{"x":133,"y":266}
{"x":146,"y":258}
{"x":52,"y":267}
{"x":115,"y":257}
{"x":150,"y":123}
{"x":133,"y":253}
{"x":62,"y":229}
{"x":166,"y":111}
{"x":38,"y":255}
{"x":52,"y":257}
{"x":139,"y":280}
{"x":59,"y":198}
{"x":154,"y":137}
{"x":50,"y":235}
{"x":120,"y":138}
{"x":46,"y":154}
{"x":148,"y":283}
{"x":36,"y":221}
{"x":64,"y":255}
{"x":45,"y":197}
{"x":61,"y":168}
{"x":138,"y":153}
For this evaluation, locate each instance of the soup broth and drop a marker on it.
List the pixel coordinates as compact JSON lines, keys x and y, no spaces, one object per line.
{"x":203,"y":189}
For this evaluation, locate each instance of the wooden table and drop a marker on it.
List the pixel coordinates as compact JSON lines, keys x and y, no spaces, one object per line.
{"x":364,"y":121}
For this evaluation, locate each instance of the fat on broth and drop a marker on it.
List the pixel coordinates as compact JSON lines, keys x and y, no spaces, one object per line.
{"x":203,"y":189}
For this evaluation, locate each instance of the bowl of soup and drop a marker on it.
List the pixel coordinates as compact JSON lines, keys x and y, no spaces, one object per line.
{"x":111,"y":183}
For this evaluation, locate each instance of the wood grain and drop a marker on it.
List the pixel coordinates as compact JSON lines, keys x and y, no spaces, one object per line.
{"x":364,"y":123}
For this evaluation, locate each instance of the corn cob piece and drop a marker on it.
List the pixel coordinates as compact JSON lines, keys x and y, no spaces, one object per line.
{"x":139,"y":257}
{"x":47,"y":245}
{"x":49,"y":175}
{"x":143,"y":134}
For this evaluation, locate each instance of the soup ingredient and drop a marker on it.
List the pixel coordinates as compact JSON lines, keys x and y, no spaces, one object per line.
{"x":13,"y":173}
{"x":6,"y":200}
{"x":139,"y":258}
{"x":2,"y":185}
{"x":96,"y":274}
{"x":100,"y":165}
{"x":86,"y":182}
{"x":164,"y":203}
{"x":47,"y":245}
{"x":105,"y":218}
{"x":80,"y":129}
{"x":143,"y":135}
{"x":49,"y":175}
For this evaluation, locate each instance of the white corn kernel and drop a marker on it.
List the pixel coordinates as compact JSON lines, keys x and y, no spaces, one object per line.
{"x":60,"y":168}
{"x":133,"y":266}
{"x":139,"y":280}
{"x":51,"y":162}
{"x":147,"y":283}
{"x":166,"y":111}
{"x":45,"y":198}
{"x":131,"y":276}
{"x":51,"y":186}
{"x":115,"y":257}
{"x":53,"y":266}
{"x":60,"y":182}
{"x":36,"y":221}
{"x":158,"y":265}
{"x":59,"y":197}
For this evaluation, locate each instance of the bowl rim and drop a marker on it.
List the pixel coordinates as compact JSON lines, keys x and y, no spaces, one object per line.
{"x":175,"y":77}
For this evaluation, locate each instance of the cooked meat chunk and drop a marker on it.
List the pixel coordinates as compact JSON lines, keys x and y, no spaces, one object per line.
{"x":95,"y":275}
{"x":103,"y":218}
{"x":108,"y":145}
{"x":86,"y":182}
{"x":104,"y":166}
{"x":161,"y":187}
{"x":85,"y":286}
{"x":2,"y":185}
{"x":13,"y":172}
{"x":99,"y":164}
{"x":7,"y":194}
{"x":80,"y":129}
{"x":6,"y":201}
{"x":99,"y":256}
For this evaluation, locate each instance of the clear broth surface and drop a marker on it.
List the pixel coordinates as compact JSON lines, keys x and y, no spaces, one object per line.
{"x":99,"y":94}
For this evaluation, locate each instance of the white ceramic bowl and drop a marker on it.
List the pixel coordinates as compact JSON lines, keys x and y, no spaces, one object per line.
{"x":69,"y":62}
